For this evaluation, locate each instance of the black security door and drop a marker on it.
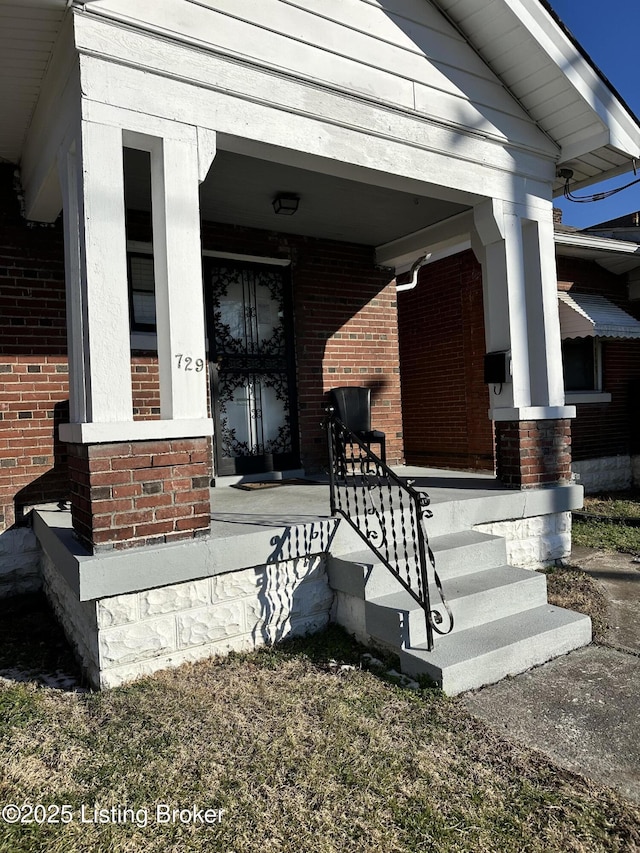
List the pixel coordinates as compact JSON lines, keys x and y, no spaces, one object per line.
{"x":249,"y":322}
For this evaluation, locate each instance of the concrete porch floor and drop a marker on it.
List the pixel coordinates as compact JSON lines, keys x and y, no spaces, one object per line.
{"x":458,"y":500}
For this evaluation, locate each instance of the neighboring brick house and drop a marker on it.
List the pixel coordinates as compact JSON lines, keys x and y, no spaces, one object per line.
{"x":230,"y":189}
{"x":444,"y":392}
{"x":604,"y":262}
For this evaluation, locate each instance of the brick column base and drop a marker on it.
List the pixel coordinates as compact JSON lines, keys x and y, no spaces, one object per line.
{"x":531,"y":454}
{"x":139,"y":493}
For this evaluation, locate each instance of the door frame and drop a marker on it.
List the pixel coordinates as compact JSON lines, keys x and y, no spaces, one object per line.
{"x":265,"y":463}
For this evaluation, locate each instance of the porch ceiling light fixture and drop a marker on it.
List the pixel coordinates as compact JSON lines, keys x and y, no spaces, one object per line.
{"x":286,"y":204}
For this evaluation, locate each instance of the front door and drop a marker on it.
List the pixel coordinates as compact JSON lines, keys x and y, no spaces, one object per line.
{"x":251,"y":363}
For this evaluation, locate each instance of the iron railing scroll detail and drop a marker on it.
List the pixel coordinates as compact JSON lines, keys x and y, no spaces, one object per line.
{"x":389,"y":514}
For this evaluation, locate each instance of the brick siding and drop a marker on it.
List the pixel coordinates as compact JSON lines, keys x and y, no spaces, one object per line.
{"x":442,"y":345}
{"x":145,"y":386}
{"x":530,"y":454}
{"x":607,"y":429}
{"x":33,"y":364}
{"x":140,"y":493}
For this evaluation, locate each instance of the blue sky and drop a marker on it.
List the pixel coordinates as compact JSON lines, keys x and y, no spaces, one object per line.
{"x":608,"y":31}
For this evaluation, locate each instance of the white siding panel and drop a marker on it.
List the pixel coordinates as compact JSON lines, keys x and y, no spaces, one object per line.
{"x":270,"y":48}
{"x":485,"y":120}
{"x":354,"y":133}
{"x":417,"y":28}
{"x":362,"y":49}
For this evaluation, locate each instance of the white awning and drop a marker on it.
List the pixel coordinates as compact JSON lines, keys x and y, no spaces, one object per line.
{"x":590,"y":316}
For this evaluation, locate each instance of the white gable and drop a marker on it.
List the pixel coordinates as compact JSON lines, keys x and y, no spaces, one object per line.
{"x":402,"y":53}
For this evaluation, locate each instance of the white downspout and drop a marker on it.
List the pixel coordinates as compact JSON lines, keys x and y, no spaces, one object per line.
{"x":415,"y":269}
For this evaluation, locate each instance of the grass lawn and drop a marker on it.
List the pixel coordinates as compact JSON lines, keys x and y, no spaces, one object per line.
{"x":303,"y":749}
{"x":605,"y":534}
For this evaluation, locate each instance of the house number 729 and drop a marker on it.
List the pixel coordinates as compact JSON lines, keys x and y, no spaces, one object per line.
{"x":186,"y":362}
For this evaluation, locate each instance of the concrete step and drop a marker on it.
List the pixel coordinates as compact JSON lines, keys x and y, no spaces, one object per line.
{"x":466,"y":552}
{"x":456,"y":554}
{"x":470,"y":659}
{"x":396,"y":619}
{"x":361,"y":574}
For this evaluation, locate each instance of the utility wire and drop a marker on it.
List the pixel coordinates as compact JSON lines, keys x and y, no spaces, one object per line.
{"x":567,"y":174}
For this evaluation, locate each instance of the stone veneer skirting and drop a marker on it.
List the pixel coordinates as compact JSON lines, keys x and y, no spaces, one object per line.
{"x":127,"y":636}
{"x":535,"y":541}
{"x":607,"y":473}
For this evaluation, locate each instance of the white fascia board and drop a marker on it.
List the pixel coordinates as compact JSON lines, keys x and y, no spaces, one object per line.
{"x":592,"y":243}
{"x":446,"y":235}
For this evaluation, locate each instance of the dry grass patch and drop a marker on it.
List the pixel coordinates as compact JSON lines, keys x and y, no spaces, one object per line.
{"x":303,"y":755}
{"x":574,"y":589}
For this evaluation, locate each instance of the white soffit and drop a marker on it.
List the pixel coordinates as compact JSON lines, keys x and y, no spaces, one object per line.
{"x":28,"y":31}
{"x":550,"y":75}
{"x":589,"y":316}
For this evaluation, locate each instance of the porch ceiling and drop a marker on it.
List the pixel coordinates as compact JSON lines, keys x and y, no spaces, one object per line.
{"x":239,"y":191}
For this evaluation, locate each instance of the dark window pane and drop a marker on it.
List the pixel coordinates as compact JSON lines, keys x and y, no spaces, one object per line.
{"x":578,"y":361}
{"x":142,"y":293}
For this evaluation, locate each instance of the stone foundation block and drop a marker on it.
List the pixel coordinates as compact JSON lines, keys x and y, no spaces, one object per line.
{"x":168,"y":599}
{"x":207,"y":625}
{"x":131,"y":643}
{"x":117,"y":610}
{"x":536,"y":541}
{"x":126,"y":636}
{"x":606,"y":473}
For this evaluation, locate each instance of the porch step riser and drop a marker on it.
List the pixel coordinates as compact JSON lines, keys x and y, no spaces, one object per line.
{"x":461,"y":554}
{"x":536,"y":637}
{"x":503,"y":623}
{"x":361,"y":573}
{"x":495,"y":600}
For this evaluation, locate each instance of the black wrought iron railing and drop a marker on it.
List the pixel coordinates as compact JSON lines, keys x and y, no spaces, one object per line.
{"x":389,"y":514}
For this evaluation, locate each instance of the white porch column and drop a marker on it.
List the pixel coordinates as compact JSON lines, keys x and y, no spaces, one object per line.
{"x":177,"y":166}
{"x":96,"y":270}
{"x":545,"y":354}
{"x":516,"y":249}
{"x":91,"y":172}
{"x":78,"y":379}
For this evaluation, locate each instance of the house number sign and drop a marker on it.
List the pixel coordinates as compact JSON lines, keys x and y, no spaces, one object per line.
{"x":187,"y":362}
